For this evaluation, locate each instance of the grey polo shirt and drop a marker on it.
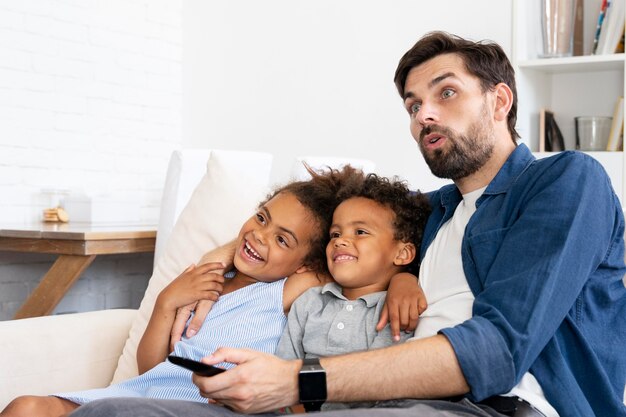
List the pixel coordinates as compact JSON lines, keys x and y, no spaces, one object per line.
{"x":322,"y":322}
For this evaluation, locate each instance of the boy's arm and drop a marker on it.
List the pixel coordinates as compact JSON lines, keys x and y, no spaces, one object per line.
{"x":201,"y":308}
{"x":404,"y":303}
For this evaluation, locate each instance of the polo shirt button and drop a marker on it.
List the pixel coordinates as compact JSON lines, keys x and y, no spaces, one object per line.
{"x":340,"y":326}
{"x":349,"y":307}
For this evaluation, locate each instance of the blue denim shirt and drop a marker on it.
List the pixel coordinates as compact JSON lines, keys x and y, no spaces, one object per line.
{"x":544,"y":256}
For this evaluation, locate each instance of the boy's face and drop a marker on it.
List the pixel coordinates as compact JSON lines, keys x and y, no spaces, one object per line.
{"x":273,"y":243}
{"x":362,"y":253}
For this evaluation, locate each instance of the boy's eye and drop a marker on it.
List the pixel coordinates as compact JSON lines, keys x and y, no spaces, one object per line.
{"x":447,"y":93}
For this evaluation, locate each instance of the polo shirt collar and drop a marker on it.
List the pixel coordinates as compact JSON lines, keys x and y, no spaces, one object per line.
{"x":371,"y":300}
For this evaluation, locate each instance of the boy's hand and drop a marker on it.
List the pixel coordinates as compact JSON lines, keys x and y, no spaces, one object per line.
{"x":404,"y":303}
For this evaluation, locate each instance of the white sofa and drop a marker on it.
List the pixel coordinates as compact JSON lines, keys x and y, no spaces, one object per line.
{"x":207,"y":196}
{"x":51,"y":354}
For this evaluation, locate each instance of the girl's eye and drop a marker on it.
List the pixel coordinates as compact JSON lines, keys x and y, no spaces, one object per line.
{"x":282,"y":241}
{"x":415,"y":107}
{"x":260,"y":218}
{"x":361,"y":232}
{"x":447,"y":93}
{"x":334,"y":235}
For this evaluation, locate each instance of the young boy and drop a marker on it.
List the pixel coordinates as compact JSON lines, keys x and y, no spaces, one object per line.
{"x":375,"y":234}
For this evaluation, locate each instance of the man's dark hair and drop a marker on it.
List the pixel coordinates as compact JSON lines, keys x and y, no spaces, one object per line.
{"x":411,"y":209}
{"x":485,"y":59}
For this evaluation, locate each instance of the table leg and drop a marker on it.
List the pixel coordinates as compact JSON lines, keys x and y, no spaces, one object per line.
{"x":53,"y":286}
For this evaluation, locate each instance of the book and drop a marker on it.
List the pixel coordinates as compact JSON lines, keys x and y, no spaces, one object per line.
{"x":550,"y":136}
{"x":578,"y":29}
{"x":612,"y":28}
{"x":617,"y":127}
{"x":601,"y":16}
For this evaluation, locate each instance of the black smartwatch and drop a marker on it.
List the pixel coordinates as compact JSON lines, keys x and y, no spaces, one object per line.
{"x":312,"y":384}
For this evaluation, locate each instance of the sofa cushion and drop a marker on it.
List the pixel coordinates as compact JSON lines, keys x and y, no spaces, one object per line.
{"x":234,"y":184}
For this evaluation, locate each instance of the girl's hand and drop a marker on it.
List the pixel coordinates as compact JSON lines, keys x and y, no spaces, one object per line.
{"x":195,"y":283}
{"x":404,"y":303}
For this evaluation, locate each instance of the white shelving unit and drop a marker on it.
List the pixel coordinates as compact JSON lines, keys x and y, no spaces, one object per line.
{"x":587,"y":85}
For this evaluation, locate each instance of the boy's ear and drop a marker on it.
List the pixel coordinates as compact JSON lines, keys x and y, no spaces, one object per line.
{"x":406,"y":254}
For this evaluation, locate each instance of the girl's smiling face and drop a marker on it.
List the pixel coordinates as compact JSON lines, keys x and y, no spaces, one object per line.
{"x":274,"y":242}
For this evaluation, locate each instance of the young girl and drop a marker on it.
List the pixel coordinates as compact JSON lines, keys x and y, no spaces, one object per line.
{"x":285,"y":238}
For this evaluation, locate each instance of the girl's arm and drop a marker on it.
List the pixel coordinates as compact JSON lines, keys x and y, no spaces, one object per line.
{"x":404,"y":303}
{"x":298,"y":283}
{"x":196,"y":282}
{"x":201,"y":308}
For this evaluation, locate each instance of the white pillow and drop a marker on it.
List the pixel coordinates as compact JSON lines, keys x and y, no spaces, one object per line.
{"x":228,"y":194}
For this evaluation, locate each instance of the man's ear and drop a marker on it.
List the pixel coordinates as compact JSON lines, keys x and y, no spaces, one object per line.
{"x":406,"y":254}
{"x":504,"y":101}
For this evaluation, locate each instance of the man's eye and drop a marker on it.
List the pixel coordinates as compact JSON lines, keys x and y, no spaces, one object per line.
{"x":447,"y":93}
{"x":415,"y":107}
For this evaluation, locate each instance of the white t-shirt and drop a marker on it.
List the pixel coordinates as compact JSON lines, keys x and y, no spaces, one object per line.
{"x":449,"y":296}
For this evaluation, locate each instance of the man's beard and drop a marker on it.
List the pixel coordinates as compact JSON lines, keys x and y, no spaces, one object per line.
{"x":465,"y":154}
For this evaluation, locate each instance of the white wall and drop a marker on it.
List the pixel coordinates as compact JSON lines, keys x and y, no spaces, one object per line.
{"x":316,"y":77}
{"x":90,"y":100}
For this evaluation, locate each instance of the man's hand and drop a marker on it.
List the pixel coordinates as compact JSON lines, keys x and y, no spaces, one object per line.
{"x":260,"y":382}
{"x":404,"y":303}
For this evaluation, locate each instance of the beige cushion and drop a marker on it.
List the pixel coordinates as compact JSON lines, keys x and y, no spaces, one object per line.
{"x":226,"y":196}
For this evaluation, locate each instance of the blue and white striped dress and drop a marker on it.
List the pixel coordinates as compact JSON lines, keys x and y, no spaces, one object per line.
{"x":250,"y":317}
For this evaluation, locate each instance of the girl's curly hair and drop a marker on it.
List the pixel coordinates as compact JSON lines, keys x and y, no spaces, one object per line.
{"x":320,"y":196}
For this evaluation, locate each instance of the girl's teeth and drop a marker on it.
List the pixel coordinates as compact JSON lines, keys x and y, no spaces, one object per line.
{"x":252,"y":253}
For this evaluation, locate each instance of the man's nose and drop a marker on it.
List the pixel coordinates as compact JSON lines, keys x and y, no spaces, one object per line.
{"x":427,"y":114}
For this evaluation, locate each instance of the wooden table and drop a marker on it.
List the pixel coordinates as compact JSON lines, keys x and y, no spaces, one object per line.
{"x":77,"y":246}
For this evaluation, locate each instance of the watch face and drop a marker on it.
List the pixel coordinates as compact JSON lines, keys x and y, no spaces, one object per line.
{"x":312,"y":386}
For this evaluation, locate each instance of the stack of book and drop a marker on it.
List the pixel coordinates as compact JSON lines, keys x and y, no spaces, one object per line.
{"x":609,"y":36}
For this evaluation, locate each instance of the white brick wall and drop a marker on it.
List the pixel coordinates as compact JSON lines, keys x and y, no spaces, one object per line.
{"x":90,"y":100}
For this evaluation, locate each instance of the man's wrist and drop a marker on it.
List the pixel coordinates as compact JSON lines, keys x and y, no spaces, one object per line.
{"x":312,"y":384}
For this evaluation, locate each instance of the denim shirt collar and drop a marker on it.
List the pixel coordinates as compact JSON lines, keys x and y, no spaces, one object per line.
{"x":519,"y":160}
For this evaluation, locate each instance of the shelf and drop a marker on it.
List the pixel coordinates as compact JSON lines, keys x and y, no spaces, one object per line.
{"x":575,"y":64}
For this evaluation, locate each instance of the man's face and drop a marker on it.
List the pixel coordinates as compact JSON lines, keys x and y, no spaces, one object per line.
{"x":451,"y":118}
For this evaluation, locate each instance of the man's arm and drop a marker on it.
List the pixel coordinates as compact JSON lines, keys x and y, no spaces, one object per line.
{"x":425,"y":368}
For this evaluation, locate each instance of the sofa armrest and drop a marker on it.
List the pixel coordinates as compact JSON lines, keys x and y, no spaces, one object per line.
{"x":44,"y":355}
